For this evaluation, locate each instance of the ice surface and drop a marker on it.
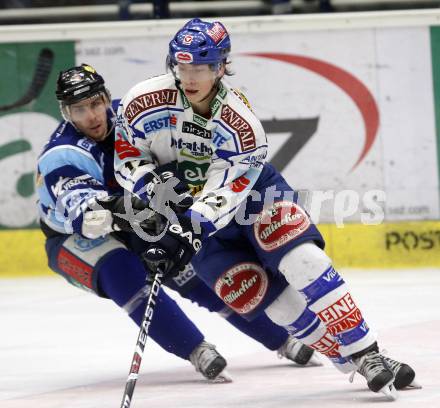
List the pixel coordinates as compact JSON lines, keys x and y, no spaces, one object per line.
{"x":63,"y":348}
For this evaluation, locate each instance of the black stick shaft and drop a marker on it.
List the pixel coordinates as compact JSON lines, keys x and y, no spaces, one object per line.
{"x":42,"y":71}
{"x":141,"y":340}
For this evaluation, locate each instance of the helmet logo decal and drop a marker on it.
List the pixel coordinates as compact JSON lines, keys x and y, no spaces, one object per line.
{"x":89,"y":68}
{"x":183,"y":57}
{"x":81,"y":90}
{"x":217,"y":32}
{"x":76,"y":78}
{"x":188,"y":39}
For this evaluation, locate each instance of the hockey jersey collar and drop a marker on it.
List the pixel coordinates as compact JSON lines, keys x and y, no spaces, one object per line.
{"x":214,"y":106}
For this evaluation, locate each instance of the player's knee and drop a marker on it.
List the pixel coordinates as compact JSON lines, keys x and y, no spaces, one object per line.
{"x":304,"y":264}
{"x":121,"y":262}
{"x":205,"y":297}
{"x":287,"y":307}
{"x":120,"y":274}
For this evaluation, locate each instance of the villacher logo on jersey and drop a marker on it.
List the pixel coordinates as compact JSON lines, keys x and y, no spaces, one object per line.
{"x":242,"y":287}
{"x":279,"y":224}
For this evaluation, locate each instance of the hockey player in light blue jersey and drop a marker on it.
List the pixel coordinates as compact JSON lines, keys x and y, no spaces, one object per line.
{"x":75,"y":170}
{"x":245,"y":233}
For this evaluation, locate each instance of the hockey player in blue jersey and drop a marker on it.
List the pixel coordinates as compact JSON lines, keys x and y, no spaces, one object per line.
{"x":245,"y":233}
{"x":74,"y":170}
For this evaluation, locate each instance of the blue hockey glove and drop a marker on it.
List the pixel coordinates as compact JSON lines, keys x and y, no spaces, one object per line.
{"x":156,"y":260}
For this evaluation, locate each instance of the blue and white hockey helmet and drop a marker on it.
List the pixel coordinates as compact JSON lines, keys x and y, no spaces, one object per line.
{"x":200,"y":42}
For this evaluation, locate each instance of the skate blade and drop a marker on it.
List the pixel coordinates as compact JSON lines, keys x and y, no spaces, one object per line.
{"x":389,"y":391}
{"x":314,"y":362}
{"x":223,"y":378}
{"x":413,"y":386}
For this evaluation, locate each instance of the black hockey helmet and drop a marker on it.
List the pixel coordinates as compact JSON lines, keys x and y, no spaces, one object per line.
{"x":78,"y":83}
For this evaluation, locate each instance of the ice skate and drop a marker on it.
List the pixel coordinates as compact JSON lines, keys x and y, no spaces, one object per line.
{"x":403,"y":373}
{"x":379,"y":375}
{"x":298,"y":352}
{"x":207,"y":361}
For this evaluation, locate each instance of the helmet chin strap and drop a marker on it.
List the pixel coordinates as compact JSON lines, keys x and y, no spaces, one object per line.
{"x":178,"y":82}
{"x":213,"y":90}
{"x":66,"y":115}
{"x":112,"y":121}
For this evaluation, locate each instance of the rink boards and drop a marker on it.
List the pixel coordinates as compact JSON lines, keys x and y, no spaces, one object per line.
{"x":339,"y":122}
{"x":388,"y":245}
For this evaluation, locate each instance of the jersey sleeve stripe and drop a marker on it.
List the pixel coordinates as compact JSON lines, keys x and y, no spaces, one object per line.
{"x":60,"y":155}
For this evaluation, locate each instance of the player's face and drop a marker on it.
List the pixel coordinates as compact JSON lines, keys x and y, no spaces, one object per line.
{"x":90,"y":117}
{"x":197,"y":81}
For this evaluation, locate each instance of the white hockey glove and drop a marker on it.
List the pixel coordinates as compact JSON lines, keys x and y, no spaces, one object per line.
{"x":109,"y":214}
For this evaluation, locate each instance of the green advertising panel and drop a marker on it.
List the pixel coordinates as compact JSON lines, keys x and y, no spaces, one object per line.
{"x":28,"y":115}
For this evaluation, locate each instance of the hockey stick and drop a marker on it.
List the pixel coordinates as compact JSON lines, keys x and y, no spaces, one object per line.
{"x":157,"y":261}
{"x":41,"y":74}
